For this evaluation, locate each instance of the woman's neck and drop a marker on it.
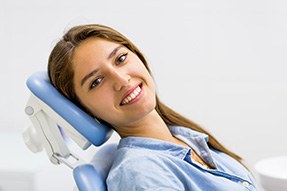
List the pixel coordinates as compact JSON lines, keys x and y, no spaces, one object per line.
{"x":151,"y":126}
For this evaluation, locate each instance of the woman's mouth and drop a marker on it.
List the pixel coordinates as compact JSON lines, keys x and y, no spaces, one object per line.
{"x":132,"y":95}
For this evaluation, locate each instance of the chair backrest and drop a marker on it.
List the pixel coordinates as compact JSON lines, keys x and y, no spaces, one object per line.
{"x":40,"y":86}
{"x":46,"y":104}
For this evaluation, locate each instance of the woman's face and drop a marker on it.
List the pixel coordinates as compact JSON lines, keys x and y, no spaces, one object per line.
{"x":112,"y":82}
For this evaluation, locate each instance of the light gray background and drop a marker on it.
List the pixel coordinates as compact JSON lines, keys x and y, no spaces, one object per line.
{"x":220,"y":63}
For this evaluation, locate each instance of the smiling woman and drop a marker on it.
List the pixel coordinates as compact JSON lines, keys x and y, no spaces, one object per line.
{"x":104,"y":73}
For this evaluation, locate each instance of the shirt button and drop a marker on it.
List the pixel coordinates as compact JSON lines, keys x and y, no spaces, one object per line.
{"x":245,"y":184}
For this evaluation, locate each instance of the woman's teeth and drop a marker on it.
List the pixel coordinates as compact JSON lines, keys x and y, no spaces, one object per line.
{"x":132,"y":96}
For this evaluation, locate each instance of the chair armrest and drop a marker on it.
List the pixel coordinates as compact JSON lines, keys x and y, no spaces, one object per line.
{"x":87,"y":178}
{"x":92,"y":176}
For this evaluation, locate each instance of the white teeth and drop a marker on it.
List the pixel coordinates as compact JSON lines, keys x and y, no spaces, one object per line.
{"x":133,"y":95}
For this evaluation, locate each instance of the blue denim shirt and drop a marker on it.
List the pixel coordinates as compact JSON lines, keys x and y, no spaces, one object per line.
{"x":151,"y":164}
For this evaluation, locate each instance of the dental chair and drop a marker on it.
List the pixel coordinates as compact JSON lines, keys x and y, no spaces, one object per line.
{"x":55,"y":120}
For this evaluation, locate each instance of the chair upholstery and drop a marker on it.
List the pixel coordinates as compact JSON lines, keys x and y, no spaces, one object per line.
{"x":92,"y":176}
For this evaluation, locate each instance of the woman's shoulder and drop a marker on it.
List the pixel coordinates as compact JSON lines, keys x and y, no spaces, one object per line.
{"x":139,"y":169}
{"x":127,"y":156}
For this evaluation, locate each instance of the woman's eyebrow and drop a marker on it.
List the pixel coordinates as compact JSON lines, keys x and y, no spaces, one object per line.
{"x":114,"y":51}
{"x":86,"y":77}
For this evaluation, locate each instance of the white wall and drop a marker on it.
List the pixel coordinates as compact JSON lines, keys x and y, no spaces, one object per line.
{"x":220,"y":63}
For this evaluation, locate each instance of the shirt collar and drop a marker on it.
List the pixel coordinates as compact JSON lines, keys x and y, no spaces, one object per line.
{"x":189,"y":136}
{"x":196,"y":140}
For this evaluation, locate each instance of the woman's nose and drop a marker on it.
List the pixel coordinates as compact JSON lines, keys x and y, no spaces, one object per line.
{"x":120,"y":79}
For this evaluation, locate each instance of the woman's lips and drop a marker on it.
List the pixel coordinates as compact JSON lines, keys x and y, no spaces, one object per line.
{"x":132,"y":94}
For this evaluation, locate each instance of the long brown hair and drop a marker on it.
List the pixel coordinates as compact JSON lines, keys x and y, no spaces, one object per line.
{"x":61,"y":73}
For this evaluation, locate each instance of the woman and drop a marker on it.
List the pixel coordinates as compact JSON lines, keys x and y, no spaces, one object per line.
{"x":103,"y":72}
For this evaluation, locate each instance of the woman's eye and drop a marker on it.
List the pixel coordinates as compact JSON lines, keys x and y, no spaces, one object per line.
{"x":121,"y":58}
{"x":96,"y":82}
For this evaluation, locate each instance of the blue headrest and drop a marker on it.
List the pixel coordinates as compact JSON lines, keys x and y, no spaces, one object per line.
{"x":95,"y":133}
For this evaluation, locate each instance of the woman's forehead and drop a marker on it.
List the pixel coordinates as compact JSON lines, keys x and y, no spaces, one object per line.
{"x":95,"y":48}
